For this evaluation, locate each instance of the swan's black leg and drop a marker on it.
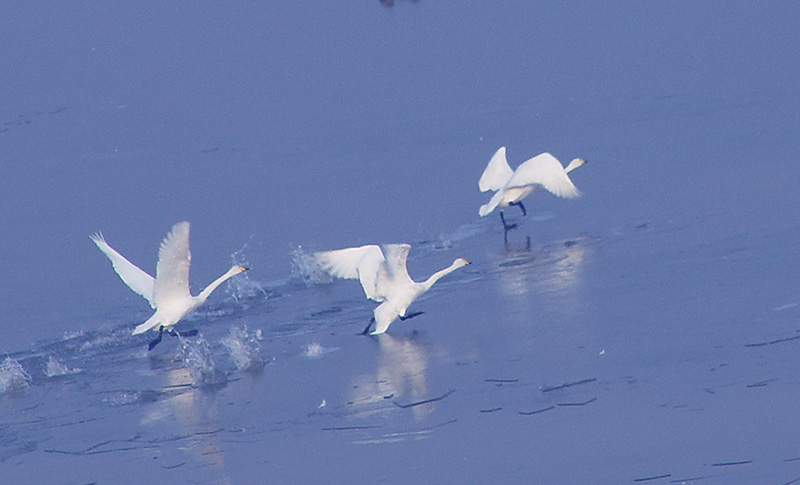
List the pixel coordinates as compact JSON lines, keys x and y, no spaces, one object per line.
{"x":506,"y":227}
{"x":156,"y":340}
{"x":366,"y":330}
{"x":522,"y":207}
{"x":411,"y":315}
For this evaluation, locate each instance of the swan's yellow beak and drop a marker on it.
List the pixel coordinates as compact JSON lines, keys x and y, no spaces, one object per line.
{"x":242,"y":268}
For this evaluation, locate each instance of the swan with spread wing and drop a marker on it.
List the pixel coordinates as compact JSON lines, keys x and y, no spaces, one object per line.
{"x":384,"y":278}
{"x":167,"y":293}
{"x":542,"y":172}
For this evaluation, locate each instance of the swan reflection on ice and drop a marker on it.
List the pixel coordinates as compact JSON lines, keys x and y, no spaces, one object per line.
{"x":557,"y":272}
{"x":400,"y":375}
{"x":194,"y":412}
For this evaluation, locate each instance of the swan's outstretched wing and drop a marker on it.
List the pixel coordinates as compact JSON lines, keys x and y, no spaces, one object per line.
{"x":392,"y":278}
{"x":497,"y":173}
{"x":396,"y":256}
{"x":546,"y":171}
{"x":172,"y":271}
{"x":493,"y":202}
{"x":136,"y":279}
{"x":359,"y":263}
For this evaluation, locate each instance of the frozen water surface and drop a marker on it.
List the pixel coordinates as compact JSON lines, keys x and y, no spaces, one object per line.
{"x":647,"y":332}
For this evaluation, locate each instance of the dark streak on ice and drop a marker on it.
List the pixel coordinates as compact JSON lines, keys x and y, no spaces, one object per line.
{"x":733,"y":463}
{"x":350,"y":428}
{"x":568,"y":384}
{"x":772,"y":342}
{"x":761,"y":383}
{"x":440,"y":425}
{"x":692,"y":479}
{"x":657,"y":477}
{"x":584,"y":403}
{"x":538,"y":411}
{"x":424,"y":401}
{"x":99,"y":452}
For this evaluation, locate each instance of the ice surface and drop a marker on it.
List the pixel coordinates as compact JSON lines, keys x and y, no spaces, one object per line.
{"x":644,"y":333}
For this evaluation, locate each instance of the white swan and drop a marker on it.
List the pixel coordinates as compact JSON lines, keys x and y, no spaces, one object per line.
{"x":168,"y":293}
{"x":384,"y":277}
{"x":542,"y":172}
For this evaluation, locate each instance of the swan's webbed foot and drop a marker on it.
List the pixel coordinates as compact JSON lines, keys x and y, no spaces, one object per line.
{"x":156,"y":340}
{"x":369,"y":325}
{"x":190,"y":333}
{"x":411,"y":315}
{"x":506,"y":227}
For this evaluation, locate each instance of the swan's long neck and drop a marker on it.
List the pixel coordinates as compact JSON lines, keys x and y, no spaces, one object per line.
{"x":426,"y":285}
{"x":203,"y":296}
{"x":574,"y":164}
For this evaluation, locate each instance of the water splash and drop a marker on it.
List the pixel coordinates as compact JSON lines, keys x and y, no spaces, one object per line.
{"x":12,"y":376}
{"x":242,"y":287}
{"x":306,"y":268}
{"x":54,"y":368}
{"x":199,"y":361}
{"x":466,"y":231}
{"x":314,"y":350}
{"x":244,"y":348}
{"x":122,"y":398}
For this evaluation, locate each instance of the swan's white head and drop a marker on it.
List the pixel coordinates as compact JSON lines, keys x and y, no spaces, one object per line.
{"x":460,"y":262}
{"x":236,"y":270}
{"x":574,"y":164}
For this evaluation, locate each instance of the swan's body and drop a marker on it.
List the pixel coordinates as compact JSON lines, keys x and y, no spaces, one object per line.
{"x":168,"y":293}
{"x":383,"y":276}
{"x":542,"y":172}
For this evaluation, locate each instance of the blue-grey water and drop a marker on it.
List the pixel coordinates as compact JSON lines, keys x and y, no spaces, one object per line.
{"x":647,"y":332}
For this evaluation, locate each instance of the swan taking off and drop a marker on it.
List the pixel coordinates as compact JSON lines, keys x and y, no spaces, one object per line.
{"x":168,"y":293}
{"x":542,"y":172}
{"x":384,"y":278}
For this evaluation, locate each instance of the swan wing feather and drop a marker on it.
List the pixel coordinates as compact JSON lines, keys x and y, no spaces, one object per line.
{"x":361,"y":263}
{"x":546,"y":171}
{"x":172,"y":270}
{"x":396,"y":256}
{"x":488,"y":207}
{"x":497,"y":172}
{"x":136,"y":279}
